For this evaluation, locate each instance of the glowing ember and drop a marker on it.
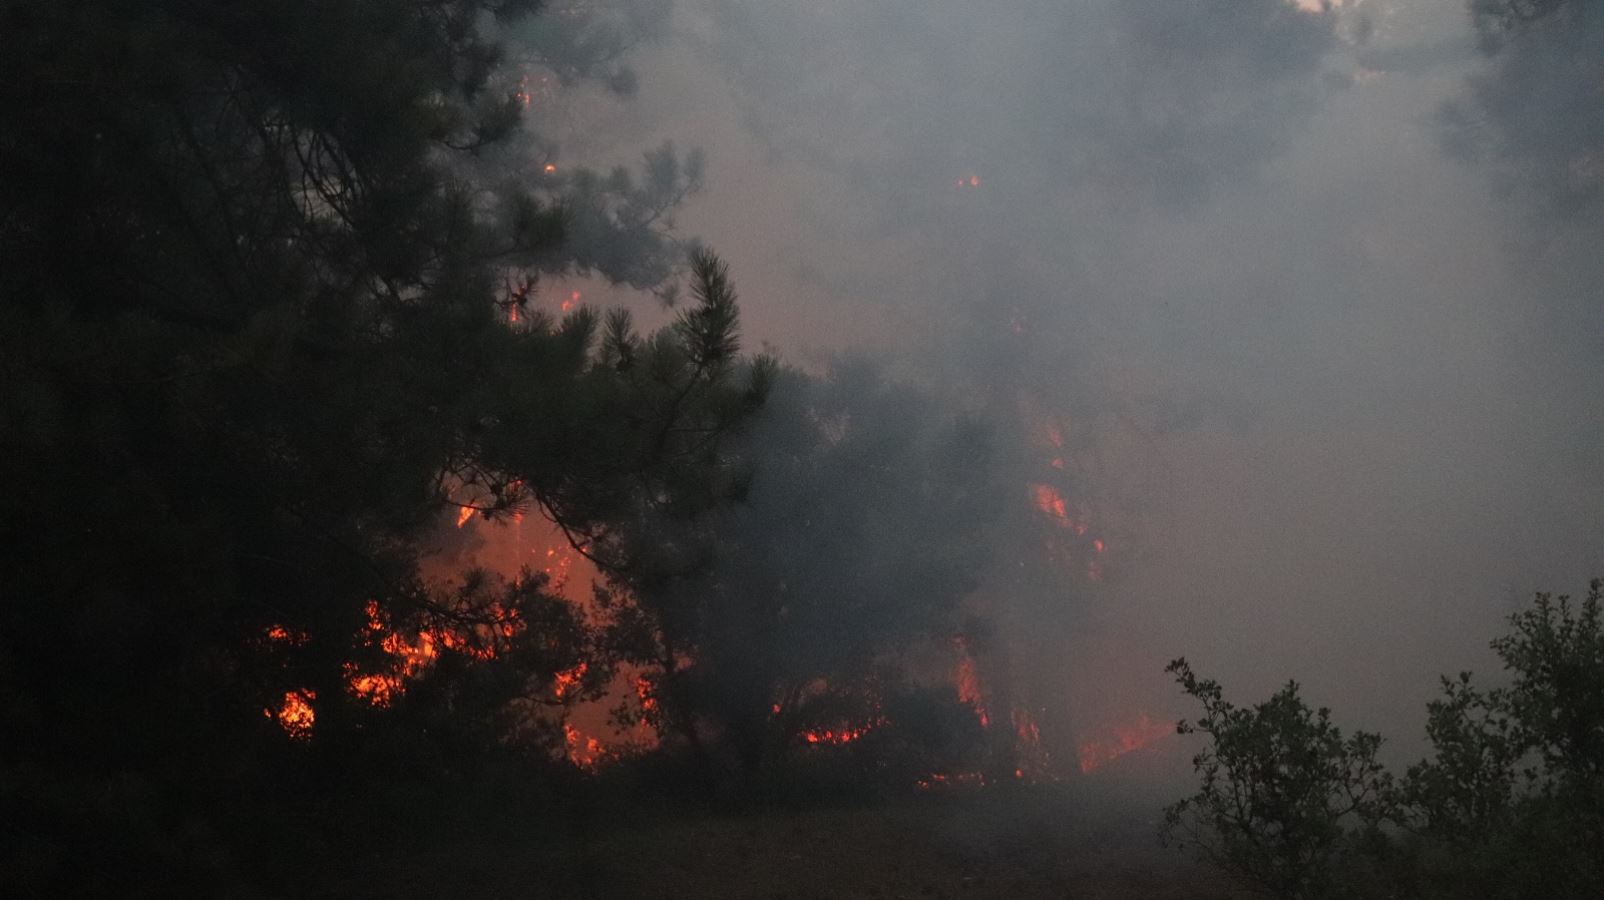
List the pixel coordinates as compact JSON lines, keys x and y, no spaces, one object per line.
{"x":296,"y":715}
{"x":845,"y":735}
{"x":549,"y":168}
{"x":379,"y":690}
{"x":411,"y":657}
{"x":466,"y":513}
{"x":1126,"y":739}
{"x":572,"y":301}
{"x":1049,"y":501}
{"x":584,"y":751}
{"x":278,"y":634}
{"x":648,"y":700}
{"x":566,"y":681}
{"x":955,"y":779}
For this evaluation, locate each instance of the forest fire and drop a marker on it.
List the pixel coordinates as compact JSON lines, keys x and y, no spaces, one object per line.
{"x":1129,"y":738}
{"x":568,"y":680}
{"x":586,"y":752}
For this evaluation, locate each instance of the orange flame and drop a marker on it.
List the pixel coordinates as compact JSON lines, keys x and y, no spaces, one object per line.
{"x":296,"y":714}
{"x":566,"y":681}
{"x":1126,"y":739}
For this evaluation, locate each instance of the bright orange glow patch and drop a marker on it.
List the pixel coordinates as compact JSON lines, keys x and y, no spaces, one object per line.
{"x":1126,"y":739}
{"x":549,"y":168}
{"x":409,"y":658}
{"x":648,"y":700}
{"x":466,"y":513}
{"x":278,"y":634}
{"x":296,"y":714}
{"x":572,"y":301}
{"x":569,"y":680}
{"x":1049,"y":501}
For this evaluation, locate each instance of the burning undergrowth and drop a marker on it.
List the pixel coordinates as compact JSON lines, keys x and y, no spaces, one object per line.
{"x":832,"y":621}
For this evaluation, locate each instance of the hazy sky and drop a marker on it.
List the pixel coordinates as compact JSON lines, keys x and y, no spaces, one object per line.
{"x":1334,"y":395}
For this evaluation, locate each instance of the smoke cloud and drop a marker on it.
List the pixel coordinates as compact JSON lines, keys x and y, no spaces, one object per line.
{"x":1306,"y":293}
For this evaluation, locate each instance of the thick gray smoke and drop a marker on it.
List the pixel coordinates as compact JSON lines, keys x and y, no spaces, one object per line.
{"x":1310,"y":294}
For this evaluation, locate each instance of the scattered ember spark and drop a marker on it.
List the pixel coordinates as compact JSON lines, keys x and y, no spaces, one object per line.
{"x":1032,"y":758}
{"x":954,"y":779}
{"x":549,"y":168}
{"x":648,"y":700}
{"x":278,"y":634}
{"x":572,"y":301}
{"x":846,"y":735}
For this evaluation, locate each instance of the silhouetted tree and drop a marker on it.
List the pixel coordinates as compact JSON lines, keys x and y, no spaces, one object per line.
{"x":254,"y":325}
{"x":1284,"y":795}
{"x":850,"y":553}
{"x":1511,"y":802}
{"x":1509,"y":805}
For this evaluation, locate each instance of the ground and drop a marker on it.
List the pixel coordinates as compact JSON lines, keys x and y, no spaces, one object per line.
{"x":1052,"y":842}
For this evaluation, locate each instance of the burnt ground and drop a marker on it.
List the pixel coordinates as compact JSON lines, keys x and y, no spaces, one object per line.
{"x":1041,"y":842}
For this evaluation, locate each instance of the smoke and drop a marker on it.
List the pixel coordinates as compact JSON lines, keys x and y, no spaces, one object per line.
{"x":1289,"y":279}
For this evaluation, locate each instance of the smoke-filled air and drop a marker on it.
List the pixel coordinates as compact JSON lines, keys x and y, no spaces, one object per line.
{"x":761,"y":449}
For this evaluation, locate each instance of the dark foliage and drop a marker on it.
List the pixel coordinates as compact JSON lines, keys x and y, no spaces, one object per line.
{"x":255,"y":348}
{"x":1509,"y":805}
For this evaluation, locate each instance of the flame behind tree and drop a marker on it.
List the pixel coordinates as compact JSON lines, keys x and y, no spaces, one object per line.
{"x":856,"y":541}
{"x":255,"y":335}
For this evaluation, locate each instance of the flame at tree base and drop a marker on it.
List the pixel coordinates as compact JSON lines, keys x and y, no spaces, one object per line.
{"x":1140,"y":734}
